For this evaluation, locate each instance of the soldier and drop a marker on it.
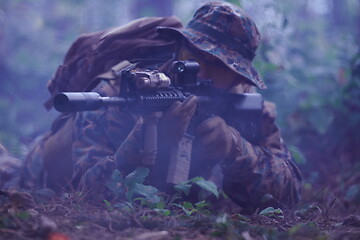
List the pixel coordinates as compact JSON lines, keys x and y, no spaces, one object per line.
{"x":223,"y":40}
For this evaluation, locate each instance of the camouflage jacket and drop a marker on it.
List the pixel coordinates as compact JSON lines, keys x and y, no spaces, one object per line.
{"x":109,"y":139}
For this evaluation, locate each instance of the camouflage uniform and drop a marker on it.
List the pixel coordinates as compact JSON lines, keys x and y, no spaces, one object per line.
{"x":9,"y":170}
{"x":109,"y":139}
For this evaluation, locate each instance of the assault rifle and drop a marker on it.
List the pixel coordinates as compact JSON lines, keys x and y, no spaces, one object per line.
{"x":151,"y":91}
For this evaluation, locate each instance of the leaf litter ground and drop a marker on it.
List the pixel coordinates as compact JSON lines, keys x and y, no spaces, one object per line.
{"x":321,"y":216}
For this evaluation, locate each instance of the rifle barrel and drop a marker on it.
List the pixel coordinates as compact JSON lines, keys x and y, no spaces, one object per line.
{"x":84,"y":101}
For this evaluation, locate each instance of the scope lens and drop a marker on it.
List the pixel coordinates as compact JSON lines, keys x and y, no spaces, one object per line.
{"x":180,"y":67}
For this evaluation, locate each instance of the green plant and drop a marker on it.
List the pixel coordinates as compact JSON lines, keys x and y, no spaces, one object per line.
{"x":189,"y":209}
{"x":205,"y":185}
{"x":272,"y":213}
{"x":132,"y":188}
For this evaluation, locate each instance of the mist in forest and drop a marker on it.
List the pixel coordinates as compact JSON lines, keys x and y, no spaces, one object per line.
{"x":309,"y":59}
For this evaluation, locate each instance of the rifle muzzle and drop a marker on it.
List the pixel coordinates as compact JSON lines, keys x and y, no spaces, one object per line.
{"x":83,"y":101}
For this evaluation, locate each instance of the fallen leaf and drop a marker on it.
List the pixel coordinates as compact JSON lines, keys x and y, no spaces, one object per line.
{"x":57,"y":236}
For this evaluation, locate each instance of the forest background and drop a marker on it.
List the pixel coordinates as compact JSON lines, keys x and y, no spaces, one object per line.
{"x":309,"y":59}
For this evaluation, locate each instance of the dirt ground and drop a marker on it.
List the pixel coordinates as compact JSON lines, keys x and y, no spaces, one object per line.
{"x":321,"y":215}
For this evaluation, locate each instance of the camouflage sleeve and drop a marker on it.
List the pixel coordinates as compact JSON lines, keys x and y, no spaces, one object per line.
{"x":258,"y":176}
{"x":10,"y":169}
{"x":33,"y":170}
{"x":102,"y":139}
{"x":103,"y":142}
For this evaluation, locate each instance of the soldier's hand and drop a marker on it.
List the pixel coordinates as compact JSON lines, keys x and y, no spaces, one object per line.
{"x":177,"y":118}
{"x":215,"y":138}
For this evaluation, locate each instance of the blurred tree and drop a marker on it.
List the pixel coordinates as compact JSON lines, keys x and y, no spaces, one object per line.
{"x":306,"y":62}
{"x":142,"y":8}
{"x":34,"y":37}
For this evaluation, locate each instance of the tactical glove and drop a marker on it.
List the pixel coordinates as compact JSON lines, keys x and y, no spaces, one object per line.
{"x":215,"y":139}
{"x":176,"y":119}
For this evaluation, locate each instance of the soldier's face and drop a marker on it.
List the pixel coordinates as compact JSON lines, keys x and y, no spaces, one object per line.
{"x":212,"y":68}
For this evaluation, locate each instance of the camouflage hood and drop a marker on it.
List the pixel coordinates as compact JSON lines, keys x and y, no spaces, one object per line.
{"x":226,"y":32}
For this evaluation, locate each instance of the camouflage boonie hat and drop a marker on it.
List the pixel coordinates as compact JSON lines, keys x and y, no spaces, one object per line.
{"x":226,"y":32}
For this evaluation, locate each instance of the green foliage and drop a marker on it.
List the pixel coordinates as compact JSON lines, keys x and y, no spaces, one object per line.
{"x":309,"y":229}
{"x":108,"y":205}
{"x":124,"y":206}
{"x":297,"y":155}
{"x":164,"y":212}
{"x":130,"y":190}
{"x":116,"y":183}
{"x":23,"y":215}
{"x":308,"y":60}
{"x":272,"y":212}
{"x":132,"y":186}
{"x":189,"y":209}
{"x":208,"y":186}
{"x":308,"y":213}
{"x":183,"y":187}
{"x":243,"y":218}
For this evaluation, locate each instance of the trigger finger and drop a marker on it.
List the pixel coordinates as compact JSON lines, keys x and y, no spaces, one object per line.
{"x":192,"y":111}
{"x":189,"y":103}
{"x":188,"y":108}
{"x":173,"y":109}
